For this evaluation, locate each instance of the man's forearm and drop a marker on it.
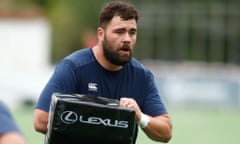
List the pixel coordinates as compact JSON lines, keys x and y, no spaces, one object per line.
{"x":40,"y":121}
{"x":159,"y":128}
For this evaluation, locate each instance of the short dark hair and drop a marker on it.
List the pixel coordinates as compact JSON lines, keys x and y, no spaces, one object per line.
{"x":117,"y":8}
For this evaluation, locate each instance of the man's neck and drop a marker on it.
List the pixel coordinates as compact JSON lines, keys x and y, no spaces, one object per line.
{"x":98,"y":53}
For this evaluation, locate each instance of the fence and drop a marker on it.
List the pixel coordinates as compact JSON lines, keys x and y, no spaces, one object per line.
{"x":189,"y":31}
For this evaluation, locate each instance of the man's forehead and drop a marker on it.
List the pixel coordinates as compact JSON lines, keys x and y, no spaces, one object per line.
{"x":118,"y":23}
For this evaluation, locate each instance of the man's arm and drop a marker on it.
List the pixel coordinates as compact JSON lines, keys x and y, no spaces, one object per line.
{"x":40,"y":120}
{"x":157,"y":128}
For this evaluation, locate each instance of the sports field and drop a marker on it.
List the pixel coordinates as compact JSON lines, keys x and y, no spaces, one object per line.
{"x":191,"y":126}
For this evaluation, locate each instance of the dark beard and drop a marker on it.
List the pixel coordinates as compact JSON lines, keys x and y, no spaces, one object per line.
{"x":113,"y":56}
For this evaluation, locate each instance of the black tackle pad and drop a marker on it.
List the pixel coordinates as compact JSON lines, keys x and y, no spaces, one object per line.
{"x":86,"y":119}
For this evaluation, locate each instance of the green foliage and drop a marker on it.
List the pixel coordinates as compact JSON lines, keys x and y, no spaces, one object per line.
{"x":70,"y":21}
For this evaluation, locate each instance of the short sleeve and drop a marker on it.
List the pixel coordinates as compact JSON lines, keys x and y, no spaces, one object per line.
{"x":153,"y":103}
{"x":63,"y":80}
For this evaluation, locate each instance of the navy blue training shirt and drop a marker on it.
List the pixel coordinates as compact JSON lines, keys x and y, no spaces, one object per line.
{"x":81,"y":73}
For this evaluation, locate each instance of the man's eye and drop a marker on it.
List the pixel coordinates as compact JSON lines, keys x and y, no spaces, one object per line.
{"x":119,"y":32}
{"x":132,"y":32}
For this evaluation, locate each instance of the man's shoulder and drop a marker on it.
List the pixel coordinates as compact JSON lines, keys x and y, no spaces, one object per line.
{"x":136,"y":64}
{"x":80,"y":57}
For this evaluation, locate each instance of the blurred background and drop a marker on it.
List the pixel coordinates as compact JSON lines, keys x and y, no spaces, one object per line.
{"x":191,"y":46}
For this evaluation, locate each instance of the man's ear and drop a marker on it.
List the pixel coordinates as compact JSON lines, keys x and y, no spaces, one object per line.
{"x":100,"y":33}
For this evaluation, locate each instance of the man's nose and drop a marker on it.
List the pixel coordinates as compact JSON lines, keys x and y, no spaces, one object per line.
{"x":127,"y":37}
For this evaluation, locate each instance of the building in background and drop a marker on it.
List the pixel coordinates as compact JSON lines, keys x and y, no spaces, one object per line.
{"x":24,"y":55}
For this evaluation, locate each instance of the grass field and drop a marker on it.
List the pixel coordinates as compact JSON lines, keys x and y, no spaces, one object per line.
{"x":190,"y":126}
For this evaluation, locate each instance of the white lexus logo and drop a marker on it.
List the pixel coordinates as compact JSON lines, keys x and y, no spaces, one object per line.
{"x":69,"y":117}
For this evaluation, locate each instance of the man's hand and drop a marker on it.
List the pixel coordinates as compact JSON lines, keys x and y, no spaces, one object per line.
{"x":131,"y":103}
{"x":158,"y":128}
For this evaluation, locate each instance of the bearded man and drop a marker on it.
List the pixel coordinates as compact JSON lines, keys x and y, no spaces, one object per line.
{"x":109,"y":70}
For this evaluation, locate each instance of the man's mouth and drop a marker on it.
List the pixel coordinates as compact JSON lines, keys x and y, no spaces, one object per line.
{"x":124,"y":51}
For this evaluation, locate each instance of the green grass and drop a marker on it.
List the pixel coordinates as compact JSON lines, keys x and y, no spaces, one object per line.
{"x":24,"y":118}
{"x":190,"y":126}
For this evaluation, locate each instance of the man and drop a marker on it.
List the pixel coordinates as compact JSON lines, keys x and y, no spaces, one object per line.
{"x":108,"y":70}
{"x":9,"y":131}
